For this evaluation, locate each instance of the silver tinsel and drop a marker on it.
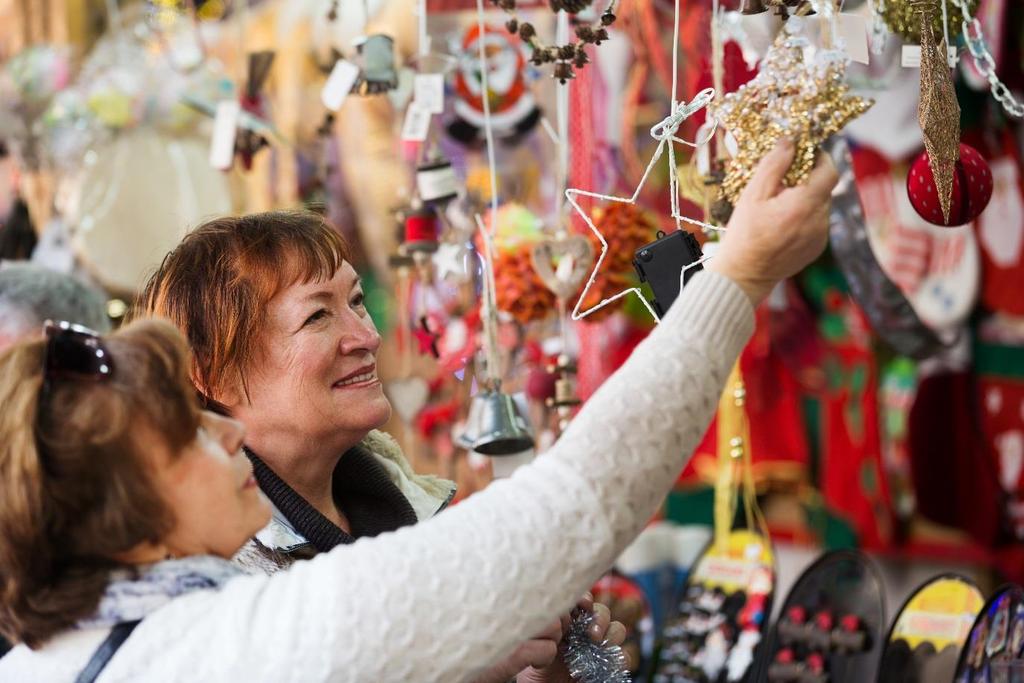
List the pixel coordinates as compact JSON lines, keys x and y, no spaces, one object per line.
{"x":590,"y":662}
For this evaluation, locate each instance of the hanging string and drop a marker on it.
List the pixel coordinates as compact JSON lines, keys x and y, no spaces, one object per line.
{"x":717,"y":67}
{"x":945,"y":30}
{"x":562,"y":116}
{"x":490,"y":313}
{"x":424,"y":37}
{"x":492,"y":165}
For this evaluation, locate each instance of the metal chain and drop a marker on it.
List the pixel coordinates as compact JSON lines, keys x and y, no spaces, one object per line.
{"x":985,"y":63}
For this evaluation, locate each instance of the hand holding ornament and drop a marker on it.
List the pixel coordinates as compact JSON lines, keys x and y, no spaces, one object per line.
{"x":774,"y":230}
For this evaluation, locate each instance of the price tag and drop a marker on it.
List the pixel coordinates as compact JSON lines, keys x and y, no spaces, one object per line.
{"x":339,"y":84}
{"x":428,"y":92}
{"x":225,"y":128}
{"x":911,"y":57}
{"x":417,"y":123}
{"x":853,"y":30}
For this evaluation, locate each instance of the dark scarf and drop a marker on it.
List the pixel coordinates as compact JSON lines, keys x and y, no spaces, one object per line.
{"x":362,"y":490}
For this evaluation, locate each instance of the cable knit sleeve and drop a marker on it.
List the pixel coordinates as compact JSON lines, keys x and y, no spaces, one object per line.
{"x":440,"y":601}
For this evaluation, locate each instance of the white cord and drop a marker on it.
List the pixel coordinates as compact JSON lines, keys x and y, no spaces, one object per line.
{"x":492,"y":165}
{"x":424,"y":37}
{"x":490,"y":312}
{"x":562,"y":117}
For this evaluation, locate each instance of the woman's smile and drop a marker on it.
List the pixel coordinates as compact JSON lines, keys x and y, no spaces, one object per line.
{"x":362,"y":378}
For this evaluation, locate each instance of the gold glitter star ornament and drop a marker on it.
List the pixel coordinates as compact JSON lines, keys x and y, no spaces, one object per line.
{"x":938,"y":111}
{"x":787,"y":98}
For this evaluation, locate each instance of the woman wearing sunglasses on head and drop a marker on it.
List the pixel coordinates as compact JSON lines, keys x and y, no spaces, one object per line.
{"x":121,"y":503}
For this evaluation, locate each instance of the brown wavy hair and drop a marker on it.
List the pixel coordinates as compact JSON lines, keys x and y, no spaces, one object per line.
{"x":216,"y":284}
{"x":76,"y":484}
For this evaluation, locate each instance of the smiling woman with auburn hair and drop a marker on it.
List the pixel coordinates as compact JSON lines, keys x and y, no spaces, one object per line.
{"x":283,"y":342}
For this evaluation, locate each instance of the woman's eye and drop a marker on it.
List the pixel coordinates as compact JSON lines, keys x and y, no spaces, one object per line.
{"x":322,"y":313}
{"x":359,"y":300}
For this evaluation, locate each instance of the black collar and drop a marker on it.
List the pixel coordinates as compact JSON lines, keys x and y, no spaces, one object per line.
{"x":362,"y":490}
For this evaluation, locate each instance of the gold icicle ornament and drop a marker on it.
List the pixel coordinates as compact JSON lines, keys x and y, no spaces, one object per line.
{"x":903,"y":18}
{"x":788,"y":97}
{"x":938,"y":111}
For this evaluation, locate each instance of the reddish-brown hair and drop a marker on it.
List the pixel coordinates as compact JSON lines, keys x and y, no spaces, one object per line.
{"x":216,"y":284}
{"x":76,"y":473}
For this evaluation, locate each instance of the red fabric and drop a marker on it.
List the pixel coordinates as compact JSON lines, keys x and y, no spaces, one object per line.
{"x":1000,"y":228}
{"x":1000,"y":402}
{"x":952,"y":479}
{"x":852,"y":477}
{"x":778,"y":444}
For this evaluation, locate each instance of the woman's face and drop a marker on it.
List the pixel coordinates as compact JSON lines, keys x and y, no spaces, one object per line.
{"x":315,"y":376}
{"x":216,"y":503}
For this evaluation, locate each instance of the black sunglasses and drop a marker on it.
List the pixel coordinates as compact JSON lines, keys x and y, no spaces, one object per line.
{"x":74,"y":352}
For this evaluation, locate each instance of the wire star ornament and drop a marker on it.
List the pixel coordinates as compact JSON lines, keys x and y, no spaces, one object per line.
{"x":788,"y":97}
{"x":665,"y":134}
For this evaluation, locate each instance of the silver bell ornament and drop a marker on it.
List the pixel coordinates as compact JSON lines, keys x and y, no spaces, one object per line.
{"x":495,"y":426}
{"x":376,"y":58}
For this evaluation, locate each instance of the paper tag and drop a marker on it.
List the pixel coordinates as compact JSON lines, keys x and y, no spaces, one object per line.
{"x":428,"y":92}
{"x":339,"y":84}
{"x":911,"y":57}
{"x":417,"y":123}
{"x":853,"y":31}
{"x":225,"y":127}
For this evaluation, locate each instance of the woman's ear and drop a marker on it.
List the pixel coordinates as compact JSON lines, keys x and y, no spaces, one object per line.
{"x":227,"y":397}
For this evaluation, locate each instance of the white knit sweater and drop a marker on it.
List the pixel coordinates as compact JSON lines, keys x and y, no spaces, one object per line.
{"x":439,"y":601}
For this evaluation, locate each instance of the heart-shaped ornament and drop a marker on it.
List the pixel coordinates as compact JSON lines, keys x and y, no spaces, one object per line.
{"x":408,"y":396}
{"x":562,"y":262}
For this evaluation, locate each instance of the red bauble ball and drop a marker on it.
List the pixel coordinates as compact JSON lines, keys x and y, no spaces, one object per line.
{"x":972,"y":188}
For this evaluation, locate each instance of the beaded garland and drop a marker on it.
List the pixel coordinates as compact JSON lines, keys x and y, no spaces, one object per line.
{"x":809,"y":102}
{"x":571,"y":56}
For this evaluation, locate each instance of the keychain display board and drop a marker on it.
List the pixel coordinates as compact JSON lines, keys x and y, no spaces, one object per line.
{"x":723,"y":614}
{"x":831,"y":625}
{"x":930,"y":630}
{"x":995,"y":646}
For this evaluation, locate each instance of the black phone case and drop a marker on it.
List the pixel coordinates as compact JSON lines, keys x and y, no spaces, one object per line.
{"x":660,"y":263}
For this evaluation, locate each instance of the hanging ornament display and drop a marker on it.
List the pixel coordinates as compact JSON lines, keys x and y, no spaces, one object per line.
{"x":436,"y":181}
{"x":938,"y":112}
{"x":970,"y":188}
{"x":904,"y":19}
{"x":626,"y":228}
{"x":561,"y":262}
{"x":513,"y":109}
{"x":929,"y":631}
{"x":375,"y":56}
{"x":723,"y":613}
{"x":28,"y":83}
{"x":995,"y":646}
{"x":788,"y":97}
{"x":520,"y":291}
{"x":832,"y":622}
{"x":254,"y":102}
{"x":570,"y":56}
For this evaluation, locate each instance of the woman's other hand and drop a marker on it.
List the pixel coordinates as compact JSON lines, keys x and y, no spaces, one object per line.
{"x":775,"y":231}
{"x":603,"y":630}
